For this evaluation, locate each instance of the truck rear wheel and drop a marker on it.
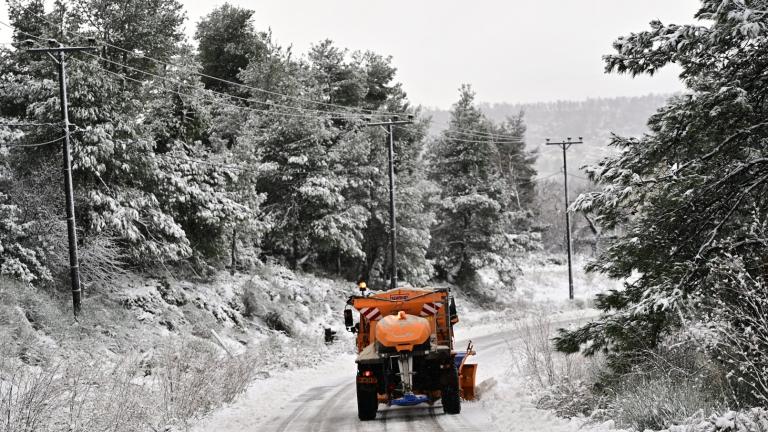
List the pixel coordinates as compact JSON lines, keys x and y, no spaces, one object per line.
{"x":449,"y":395}
{"x":367,"y":402}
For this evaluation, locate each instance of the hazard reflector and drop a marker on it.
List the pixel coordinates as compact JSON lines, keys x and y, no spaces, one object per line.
{"x":430,"y":308}
{"x":371,"y":314}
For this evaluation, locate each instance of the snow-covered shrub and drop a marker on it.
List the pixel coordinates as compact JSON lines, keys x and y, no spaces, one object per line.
{"x":562,"y":382}
{"x":736,"y":330}
{"x":543,"y":365}
{"x":753,"y":420}
{"x":103,"y":263}
{"x":275,"y":321}
{"x":28,"y":399}
{"x":193,"y":378}
{"x":667,"y":385}
{"x":648,"y":402}
{"x":18,"y":258}
{"x":571,"y":399}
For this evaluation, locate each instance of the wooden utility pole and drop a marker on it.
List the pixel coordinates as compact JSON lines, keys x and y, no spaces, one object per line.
{"x":233,"y":264}
{"x":58,"y":52}
{"x":565,"y":145}
{"x":392,"y":216}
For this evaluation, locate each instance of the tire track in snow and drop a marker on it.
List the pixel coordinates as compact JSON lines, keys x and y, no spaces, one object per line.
{"x":417,"y":418}
{"x":433,"y":417}
{"x":383,"y":416}
{"x":326,"y":411}
{"x":302,"y":400}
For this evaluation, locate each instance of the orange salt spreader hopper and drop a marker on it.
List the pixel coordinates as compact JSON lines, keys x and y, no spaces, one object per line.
{"x":402,"y":331}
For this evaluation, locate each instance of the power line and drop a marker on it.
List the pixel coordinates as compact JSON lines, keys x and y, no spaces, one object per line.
{"x":489,"y":141}
{"x":211,"y":100}
{"x":538,"y":179}
{"x":480,"y":134}
{"x":335,"y":115}
{"x":338,"y":115}
{"x":33,"y":145}
{"x":221,"y":165}
{"x":351,"y":115}
{"x":257,"y":89}
{"x":27,"y":124}
{"x":579,"y":177}
{"x":144,"y":82}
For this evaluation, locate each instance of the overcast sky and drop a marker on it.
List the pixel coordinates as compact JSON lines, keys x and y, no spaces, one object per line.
{"x":509,"y":50}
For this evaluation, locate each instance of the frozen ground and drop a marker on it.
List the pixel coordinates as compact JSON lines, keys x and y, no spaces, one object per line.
{"x":322,"y":398}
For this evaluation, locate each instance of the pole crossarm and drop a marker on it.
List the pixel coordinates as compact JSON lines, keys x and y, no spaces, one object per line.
{"x":391,"y":123}
{"x":565,"y":144}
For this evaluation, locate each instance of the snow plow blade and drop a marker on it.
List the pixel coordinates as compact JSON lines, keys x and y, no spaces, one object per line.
{"x":467,"y":372}
{"x":467,"y":381}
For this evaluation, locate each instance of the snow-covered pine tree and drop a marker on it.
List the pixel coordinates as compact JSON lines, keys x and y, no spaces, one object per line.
{"x":690,"y":195}
{"x":227,"y":43}
{"x":479,"y":223}
{"x":327,"y":194}
{"x":21,"y":255}
{"x":136,"y":139}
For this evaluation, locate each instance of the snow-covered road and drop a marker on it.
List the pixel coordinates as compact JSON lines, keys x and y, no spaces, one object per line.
{"x":323,"y":399}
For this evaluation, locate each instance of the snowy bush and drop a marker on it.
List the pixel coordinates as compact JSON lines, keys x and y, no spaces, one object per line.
{"x":668,"y":385}
{"x":18,"y":259}
{"x":736,"y":329}
{"x":562,"y":383}
{"x":193,"y":378}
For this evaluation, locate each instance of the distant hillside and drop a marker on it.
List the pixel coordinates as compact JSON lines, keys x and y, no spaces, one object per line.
{"x":592,"y":119}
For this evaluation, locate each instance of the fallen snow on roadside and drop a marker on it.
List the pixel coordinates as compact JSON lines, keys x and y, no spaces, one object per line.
{"x":269,"y":397}
{"x":504,"y":395}
{"x":542,"y":289}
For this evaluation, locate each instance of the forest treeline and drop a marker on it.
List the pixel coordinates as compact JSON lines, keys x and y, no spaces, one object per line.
{"x":594,"y":119}
{"x":184,"y":153}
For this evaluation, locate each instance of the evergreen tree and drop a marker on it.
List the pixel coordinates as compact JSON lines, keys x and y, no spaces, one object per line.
{"x":326,"y":198}
{"x":142,"y":29}
{"x":690,"y":195}
{"x":136,"y":140}
{"x":227,"y":42}
{"x":478,"y":225}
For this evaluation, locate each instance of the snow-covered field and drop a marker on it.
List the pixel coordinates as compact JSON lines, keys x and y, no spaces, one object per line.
{"x":322,"y":397}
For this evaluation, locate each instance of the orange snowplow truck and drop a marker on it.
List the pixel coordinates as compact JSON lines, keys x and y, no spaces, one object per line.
{"x":405,"y":350}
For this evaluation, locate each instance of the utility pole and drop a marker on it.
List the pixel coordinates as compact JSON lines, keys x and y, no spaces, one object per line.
{"x":394,"y":121}
{"x":58,"y":52}
{"x":233,"y":264}
{"x":565,"y":145}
